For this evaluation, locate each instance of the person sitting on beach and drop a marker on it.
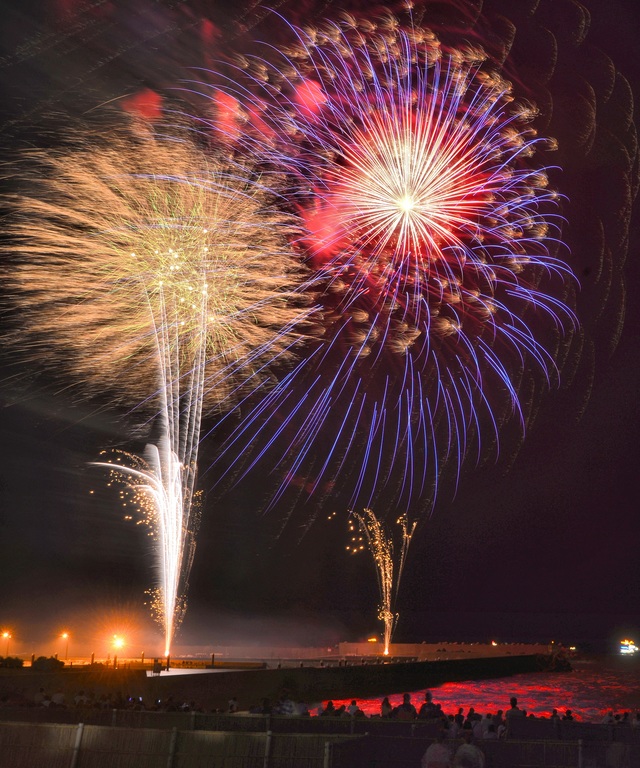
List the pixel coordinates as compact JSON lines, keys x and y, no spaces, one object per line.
{"x":568,"y":715}
{"x":406,"y":710}
{"x":286,"y":705}
{"x":438,"y":754}
{"x":385,"y":707}
{"x":485,"y":722}
{"x":428,"y":710}
{"x":440,"y":715}
{"x":58,"y":698}
{"x":329,"y":710}
{"x":353,"y":707}
{"x":477,"y":728}
{"x":453,"y":727}
{"x":81,"y":699}
{"x":491,"y":733}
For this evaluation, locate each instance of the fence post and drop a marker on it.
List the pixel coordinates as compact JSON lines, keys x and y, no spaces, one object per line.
{"x":579,"y":753}
{"x":193,"y":719}
{"x":114,"y":718}
{"x":267,"y":749}
{"x":76,"y":746}
{"x":326,"y":762}
{"x":172,"y":746}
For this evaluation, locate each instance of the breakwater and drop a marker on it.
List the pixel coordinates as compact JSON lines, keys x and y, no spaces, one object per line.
{"x":351,"y":680}
{"x":307,"y":683}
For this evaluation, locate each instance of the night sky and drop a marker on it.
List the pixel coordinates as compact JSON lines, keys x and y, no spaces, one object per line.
{"x":540,"y":545}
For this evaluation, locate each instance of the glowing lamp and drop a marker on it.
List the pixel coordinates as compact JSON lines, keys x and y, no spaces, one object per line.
{"x":118,"y":642}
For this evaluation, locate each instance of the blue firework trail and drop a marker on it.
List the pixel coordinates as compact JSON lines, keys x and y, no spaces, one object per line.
{"x":435,"y":236}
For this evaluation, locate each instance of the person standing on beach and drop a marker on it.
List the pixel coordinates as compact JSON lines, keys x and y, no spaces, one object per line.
{"x":514,"y":710}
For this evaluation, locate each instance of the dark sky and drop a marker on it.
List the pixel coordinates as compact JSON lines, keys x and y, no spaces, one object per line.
{"x":544,"y":544}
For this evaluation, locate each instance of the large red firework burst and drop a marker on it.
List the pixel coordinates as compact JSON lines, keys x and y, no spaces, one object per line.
{"x":434,"y":237}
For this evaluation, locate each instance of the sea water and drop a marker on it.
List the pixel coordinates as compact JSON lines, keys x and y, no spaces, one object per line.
{"x":594,"y":687}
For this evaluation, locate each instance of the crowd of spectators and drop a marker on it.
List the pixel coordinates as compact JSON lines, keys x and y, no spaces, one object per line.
{"x":491,"y":725}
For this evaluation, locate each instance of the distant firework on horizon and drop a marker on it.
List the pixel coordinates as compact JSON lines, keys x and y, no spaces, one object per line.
{"x":159,"y":276}
{"x":430,"y":220}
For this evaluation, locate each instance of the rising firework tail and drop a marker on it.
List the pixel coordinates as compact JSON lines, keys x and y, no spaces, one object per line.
{"x":431,"y":222}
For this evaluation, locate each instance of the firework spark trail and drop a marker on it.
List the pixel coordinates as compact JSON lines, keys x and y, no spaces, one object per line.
{"x":163,"y":277}
{"x":380,"y":544}
{"x":162,"y":490}
{"x":432,"y":224}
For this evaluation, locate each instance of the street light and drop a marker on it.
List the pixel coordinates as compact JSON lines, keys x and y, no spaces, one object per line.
{"x":65,"y":636}
{"x":6,"y":636}
{"x":118,"y":643}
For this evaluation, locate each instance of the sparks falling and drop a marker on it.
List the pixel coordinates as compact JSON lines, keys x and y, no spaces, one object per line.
{"x":162,"y":276}
{"x":155,"y":486}
{"x":380,"y":544}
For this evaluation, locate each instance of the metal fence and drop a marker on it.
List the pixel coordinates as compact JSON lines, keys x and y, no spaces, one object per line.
{"x":27,"y":745}
{"x":128,"y":739}
{"x":192,"y":721}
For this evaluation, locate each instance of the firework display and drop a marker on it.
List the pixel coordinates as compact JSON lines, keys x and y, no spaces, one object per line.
{"x":350,"y":246}
{"x":430,"y":221}
{"x":380,"y":544}
{"x":141,"y":260}
{"x":154,"y":486}
{"x":162,"y":276}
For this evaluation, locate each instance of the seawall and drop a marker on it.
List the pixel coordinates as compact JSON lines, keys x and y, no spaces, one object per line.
{"x":306,"y":683}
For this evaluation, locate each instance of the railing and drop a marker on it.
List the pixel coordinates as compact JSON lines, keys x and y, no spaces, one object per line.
{"x":57,"y":745}
{"x":123,"y":738}
{"x":24,"y":745}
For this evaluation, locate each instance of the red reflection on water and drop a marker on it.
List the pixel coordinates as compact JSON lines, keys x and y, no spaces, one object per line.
{"x":591,"y":690}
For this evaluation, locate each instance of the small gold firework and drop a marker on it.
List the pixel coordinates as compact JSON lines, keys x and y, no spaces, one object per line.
{"x":372,"y":533}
